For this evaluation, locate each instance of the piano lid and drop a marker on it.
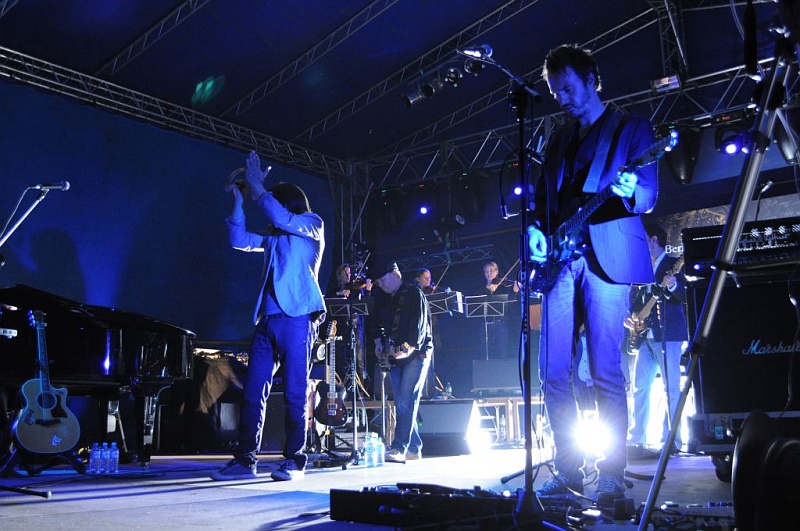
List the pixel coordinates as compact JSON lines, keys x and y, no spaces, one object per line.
{"x":85,"y":340}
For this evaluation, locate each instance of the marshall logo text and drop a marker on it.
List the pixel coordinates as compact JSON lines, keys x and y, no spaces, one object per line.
{"x":756,"y":349}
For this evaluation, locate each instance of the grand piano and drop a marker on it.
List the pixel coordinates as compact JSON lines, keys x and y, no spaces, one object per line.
{"x":96,"y":351}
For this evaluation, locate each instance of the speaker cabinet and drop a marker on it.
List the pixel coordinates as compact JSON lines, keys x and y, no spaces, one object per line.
{"x":750,"y":345}
{"x":444,"y":426}
{"x":495,"y":377}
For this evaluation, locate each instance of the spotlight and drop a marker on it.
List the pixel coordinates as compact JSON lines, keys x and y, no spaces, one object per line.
{"x":731,"y":140}
{"x":429,"y":88}
{"x":412,"y":97}
{"x":453,"y":76}
{"x":423,"y":209}
{"x":472,"y":66}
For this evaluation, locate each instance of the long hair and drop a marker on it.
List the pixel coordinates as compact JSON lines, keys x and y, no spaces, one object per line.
{"x":580,"y":59}
{"x":291,"y":197}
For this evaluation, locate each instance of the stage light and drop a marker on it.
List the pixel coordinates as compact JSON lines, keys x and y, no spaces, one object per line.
{"x":453,"y":76}
{"x":429,"y":88}
{"x":682,"y":159}
{"x":591,"y":435}
{"x":473,"y":66}
{"x":518,"y":190}
{"x":423,"y":209}
{"x":731,"y":139}
{"x":412,"y":97}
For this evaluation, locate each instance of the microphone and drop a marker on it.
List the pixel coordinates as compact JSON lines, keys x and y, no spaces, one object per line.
{"x":482,"y":51}
{"x":63,"y":186}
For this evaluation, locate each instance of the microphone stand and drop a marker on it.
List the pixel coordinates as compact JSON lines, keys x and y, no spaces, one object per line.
{"x":528,"y":507}
{"x":15,"y":226}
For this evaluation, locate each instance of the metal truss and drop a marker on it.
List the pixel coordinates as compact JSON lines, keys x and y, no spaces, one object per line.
{"x":38,"y":73}
{"x":152,"y":36}
{"x":610,"y":37}
{"x":670,"y":22}
{"x":448,"y":257}
{"x":413,"y":69}
{"x":338,"y":36}
{"x":489,"y":149}
{"x":6,"y":5}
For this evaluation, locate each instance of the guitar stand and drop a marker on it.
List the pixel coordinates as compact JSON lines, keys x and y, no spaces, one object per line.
{"x":19,"y":457}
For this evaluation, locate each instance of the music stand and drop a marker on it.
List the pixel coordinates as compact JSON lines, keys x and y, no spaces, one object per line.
{"x":348,"y":308}
{"x":486,"y":306}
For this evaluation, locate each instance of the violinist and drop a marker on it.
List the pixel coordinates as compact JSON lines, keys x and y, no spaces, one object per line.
{"x":496,"y":285}
{"x":424,"y":281}
{"x":347,"y":285}
{"x":498,"y":329}
{"x":357,"y":288}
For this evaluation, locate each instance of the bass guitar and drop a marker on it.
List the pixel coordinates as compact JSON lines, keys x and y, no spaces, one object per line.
{"x":562,"y":244}
{"x":331,"y":410}
{"x":45,"y":425}
{"x":636,"y":335}
{"x":385,"y":359}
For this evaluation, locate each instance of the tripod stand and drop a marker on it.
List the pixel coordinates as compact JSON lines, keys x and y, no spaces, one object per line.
{"x":760,"y":139}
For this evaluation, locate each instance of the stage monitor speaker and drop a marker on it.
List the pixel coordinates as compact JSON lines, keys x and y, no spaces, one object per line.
{"x":751,"y":342}
{"x":495,"y":377}
{"x":273,"y":436}
{"x":444,"y":426}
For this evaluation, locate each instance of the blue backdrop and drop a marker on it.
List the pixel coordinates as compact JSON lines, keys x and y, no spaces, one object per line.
{"x":142,"y":226}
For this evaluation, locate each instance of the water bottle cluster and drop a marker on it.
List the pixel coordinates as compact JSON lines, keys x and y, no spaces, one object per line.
{"x":103,"y":459}
{"x":374,"y":450}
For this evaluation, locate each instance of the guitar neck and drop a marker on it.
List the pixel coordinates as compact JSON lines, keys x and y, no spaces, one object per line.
{"x":44,"y":364}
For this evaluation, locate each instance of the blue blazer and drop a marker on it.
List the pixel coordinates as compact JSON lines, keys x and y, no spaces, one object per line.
{"x":616,"y":233}
{"x":292,"y":247}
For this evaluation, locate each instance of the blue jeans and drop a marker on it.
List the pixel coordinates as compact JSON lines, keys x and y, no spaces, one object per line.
{"x":582,"y":296}
{"x":407,"y":384}
{"x":277,"y":342}
{"x":648,"y":363}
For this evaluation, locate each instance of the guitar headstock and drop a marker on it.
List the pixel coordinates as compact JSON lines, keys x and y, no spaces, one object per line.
{"x":36,"y":318}
{"x":331,"y":333}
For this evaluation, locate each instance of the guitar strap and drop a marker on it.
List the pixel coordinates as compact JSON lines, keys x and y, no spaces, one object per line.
{"x":600,"y":159}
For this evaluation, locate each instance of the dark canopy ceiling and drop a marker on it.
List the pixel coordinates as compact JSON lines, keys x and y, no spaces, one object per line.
{"x":319,"y":85}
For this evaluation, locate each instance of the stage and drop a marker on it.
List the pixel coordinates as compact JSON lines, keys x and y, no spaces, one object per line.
{"x":176,"y":493}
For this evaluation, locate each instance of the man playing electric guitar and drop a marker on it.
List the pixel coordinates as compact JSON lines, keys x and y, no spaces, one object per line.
{"x":589,"y":288}
{"x":401,"y":310}
{"x":660,"y":348}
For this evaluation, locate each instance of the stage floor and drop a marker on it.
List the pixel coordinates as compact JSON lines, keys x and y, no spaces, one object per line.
{"x":176,"y":493}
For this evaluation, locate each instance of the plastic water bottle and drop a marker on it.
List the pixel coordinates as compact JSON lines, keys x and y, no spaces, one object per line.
{"x":113,"y":459}
{"x":380,"y":451}
{"x":94,"y":458}
{"x":369,"y":451}
{"x":102,"y":462}
{"x":448,"y":390}
{"x":502,"y":428}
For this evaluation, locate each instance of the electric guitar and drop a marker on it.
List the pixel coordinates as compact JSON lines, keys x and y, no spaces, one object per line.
{"x":636,"y":335}
{"x":385,"y":359}
{"x":45,"y":425}
{"x":331,"y":410}
{"x":562,"y":244}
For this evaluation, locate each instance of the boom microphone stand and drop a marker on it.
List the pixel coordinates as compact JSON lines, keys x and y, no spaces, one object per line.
{"x":528,"y":506}
{"x":760,"y":137}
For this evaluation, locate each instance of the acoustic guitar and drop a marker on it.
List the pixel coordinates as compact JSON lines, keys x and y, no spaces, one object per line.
{"x":331,"y":410}
{"x":45,"y":425}
{"x":563,"y":244}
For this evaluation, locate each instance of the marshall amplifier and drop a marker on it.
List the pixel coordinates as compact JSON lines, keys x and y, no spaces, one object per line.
{"x":746,"y":365}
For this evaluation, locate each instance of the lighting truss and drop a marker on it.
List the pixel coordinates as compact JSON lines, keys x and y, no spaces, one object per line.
{"x":54,"y":78}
